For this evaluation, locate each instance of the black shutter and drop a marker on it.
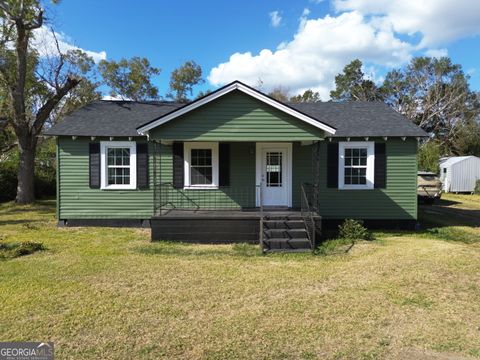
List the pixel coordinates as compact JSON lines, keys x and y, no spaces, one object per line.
{"x":177,"y":149}
{"x":332,"y":165}
{"x":94,"y":165}
{"x":224,"y":164}
{"x":380,"y":178}
{"x":142,"y":166}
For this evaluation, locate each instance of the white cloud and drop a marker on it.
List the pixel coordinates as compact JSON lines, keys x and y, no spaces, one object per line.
{"x":438,"y":21}
{"x":304,"y":17}
{"x":318,"y":51}
{"x":275,"y":18}
{"x":382,"y":33}
{"x":436,"y":53}
{"x":44,"y":42}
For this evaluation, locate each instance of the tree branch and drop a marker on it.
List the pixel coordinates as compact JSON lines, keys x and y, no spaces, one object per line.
{"x":44,"y":112}
{"x":9,"y":147}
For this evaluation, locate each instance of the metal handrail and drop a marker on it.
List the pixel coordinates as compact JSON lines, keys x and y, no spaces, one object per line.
{"x":221,"y":198}
{"x":167,"y":201}
{"x":308,"y":215}
{"x":260,"y":200}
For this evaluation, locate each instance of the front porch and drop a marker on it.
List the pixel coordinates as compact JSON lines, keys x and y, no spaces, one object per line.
{"x":241,"y":192}
{"x":272,"y":229}
{"x":230,"y":163}
{"x":228,"y":214}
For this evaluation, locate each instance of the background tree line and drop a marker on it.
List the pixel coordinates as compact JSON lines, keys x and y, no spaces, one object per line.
{"x":433,"y":93}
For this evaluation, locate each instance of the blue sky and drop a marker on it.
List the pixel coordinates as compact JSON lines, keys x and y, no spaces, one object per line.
{"x":294,"y":44}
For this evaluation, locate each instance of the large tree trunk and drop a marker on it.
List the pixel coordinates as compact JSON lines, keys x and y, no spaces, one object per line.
{"x":25,"y":188}
{"x":25,"y":17}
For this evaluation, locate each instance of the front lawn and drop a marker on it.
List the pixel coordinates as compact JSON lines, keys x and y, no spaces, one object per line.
{"x":101,"y":293}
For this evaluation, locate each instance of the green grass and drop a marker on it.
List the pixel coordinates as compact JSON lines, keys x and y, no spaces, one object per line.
{"x":111,"y":293}
{"x":463,"y":201}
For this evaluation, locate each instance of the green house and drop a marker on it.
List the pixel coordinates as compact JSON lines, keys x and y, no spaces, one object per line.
{"x":236,"y":165}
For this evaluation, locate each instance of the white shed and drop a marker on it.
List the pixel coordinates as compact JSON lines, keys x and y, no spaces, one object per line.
{"x":459,"y":173}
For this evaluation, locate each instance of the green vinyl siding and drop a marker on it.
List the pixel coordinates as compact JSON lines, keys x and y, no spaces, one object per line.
{"x":301,"y":170}
{"x":397,"y":201}
{"x":78,"y":201}
{"x":240,"y":192}
{"x":236,"y":117}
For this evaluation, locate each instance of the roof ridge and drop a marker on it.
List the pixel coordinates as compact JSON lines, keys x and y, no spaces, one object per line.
{"x":147,"y":102}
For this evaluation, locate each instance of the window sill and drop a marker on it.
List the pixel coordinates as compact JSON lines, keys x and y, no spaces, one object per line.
{"x":109,"y":188}
{"x":356,"y":188}
{"x":201,"y":187}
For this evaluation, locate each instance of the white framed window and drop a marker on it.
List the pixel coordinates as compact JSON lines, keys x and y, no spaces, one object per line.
{"x":356,"y":165}
{"x":118,"y":163}
{"x":201,"y":165}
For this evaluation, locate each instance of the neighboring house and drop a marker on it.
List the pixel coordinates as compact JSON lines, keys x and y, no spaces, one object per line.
{"x":459,"y":173}
{"x":236,"y":165}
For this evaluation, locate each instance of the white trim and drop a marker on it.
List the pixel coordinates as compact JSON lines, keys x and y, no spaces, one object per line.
{"x":187,"y":153}
{"x":258,"y":168}
{"x":104,"y":145}
{"x":245,"y":89}
{"x":370,"y":145}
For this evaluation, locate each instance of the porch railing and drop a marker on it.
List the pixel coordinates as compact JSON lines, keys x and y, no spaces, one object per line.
{"x":168,"y":198}
{"x":309,"y":211}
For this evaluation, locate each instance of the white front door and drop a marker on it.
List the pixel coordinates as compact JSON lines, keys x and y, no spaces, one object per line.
{"x":274,"y":169}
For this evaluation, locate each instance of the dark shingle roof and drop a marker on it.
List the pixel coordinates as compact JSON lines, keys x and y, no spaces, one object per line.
{"x":121,"y":118}
{"x":111,"y":118}
{"x":361,"y":118}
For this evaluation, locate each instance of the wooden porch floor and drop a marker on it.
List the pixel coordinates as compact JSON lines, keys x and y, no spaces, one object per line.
{"x":253,"y":213}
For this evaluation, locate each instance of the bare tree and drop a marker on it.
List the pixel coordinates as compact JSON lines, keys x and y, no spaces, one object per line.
{"x":435,"y":95}
{"x":280,"y":93}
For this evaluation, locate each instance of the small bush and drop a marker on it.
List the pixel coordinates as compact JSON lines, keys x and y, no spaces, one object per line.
{"x":354,"y":230}
{"x":348,"y":233}
{"x":477,"y":187}
{"x":8,"y":181}
{"x":45,"y":173}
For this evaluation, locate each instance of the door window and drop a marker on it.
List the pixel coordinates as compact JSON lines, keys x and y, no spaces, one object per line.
{"x":274,"y":169}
